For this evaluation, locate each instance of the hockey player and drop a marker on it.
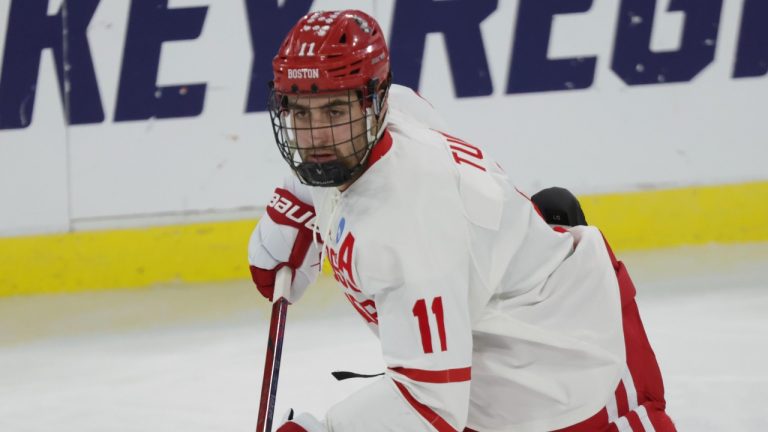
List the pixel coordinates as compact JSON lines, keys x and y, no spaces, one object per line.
{"x":489,"y":319}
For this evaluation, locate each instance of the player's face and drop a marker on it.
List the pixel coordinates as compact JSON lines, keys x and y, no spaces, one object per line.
{"x":329,"y":127}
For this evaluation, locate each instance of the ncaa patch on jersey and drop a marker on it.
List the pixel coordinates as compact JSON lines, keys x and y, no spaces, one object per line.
{"x":340,"y":229}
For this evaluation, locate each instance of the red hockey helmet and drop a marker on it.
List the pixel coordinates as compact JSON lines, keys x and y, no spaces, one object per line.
{"x":336,"y":50}
{"x":330,"y":53}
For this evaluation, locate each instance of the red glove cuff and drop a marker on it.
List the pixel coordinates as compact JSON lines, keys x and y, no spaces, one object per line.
{"x":265,"y":280}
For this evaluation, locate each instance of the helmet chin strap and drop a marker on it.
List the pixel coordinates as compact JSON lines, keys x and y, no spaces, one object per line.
{"x":381,"y":124}
{"x":370,"y":135}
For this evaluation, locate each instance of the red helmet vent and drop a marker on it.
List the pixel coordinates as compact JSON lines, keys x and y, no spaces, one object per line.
{"x":331,"y":51}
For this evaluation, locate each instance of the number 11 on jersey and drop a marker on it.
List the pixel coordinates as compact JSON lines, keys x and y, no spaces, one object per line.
{"x":420,"y":312}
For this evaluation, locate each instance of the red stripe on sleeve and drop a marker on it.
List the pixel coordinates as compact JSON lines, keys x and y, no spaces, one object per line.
{"x":432,"y":417}
{"x":622,"y":402}
{"x":634,"y":422}
{"x":436,"y":377}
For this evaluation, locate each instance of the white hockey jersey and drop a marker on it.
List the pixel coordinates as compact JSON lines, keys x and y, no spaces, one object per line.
{"x":487,"y":317}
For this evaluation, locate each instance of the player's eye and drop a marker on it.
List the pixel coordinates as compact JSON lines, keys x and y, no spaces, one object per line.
{"x":300,"y":113}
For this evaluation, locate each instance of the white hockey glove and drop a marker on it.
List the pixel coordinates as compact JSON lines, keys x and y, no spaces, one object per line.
{"x":283,"y":237}
{"x":304,"y":422}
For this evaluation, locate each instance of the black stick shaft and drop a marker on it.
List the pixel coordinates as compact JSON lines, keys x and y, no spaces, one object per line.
{"x":283,"y":310}
{"x":274,"y":352}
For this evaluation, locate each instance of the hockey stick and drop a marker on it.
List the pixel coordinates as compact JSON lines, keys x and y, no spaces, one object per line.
{"x":274,"y":350}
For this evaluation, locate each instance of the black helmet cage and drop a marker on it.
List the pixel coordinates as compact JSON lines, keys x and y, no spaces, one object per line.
{"x":340,"y":170}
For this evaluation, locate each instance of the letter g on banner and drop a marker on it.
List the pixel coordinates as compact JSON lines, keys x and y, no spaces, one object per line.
{"x":633,"y":59}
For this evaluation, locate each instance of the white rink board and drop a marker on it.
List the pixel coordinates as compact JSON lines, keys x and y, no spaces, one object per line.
{"x":609,"y":137}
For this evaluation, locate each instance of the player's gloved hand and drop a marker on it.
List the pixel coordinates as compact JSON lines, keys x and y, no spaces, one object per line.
{"x":304,"y":422}
{"x":283,"y":237}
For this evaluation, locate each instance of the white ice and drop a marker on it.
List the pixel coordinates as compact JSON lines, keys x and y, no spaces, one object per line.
{"x":190,"y":358}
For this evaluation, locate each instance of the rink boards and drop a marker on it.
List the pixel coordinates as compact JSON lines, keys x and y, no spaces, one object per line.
{"x":149,"y":157}
{"x":208,"y":252}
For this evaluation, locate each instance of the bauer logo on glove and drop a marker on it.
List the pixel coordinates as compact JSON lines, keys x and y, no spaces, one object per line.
{"x":287,"y":207}
{"x":284,"y":238}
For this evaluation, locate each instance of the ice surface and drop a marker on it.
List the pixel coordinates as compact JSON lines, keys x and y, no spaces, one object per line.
{"x":190,"y":358}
